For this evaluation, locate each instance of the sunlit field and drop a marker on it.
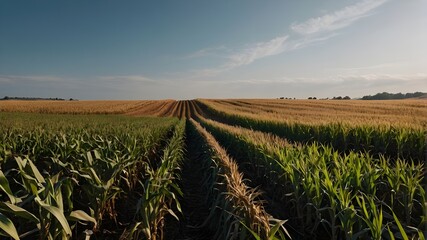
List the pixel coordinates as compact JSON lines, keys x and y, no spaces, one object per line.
{"x":213,"y":169}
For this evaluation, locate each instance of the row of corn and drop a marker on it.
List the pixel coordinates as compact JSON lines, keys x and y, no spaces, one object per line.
{"x":80,"y":176}
{"x":236,"y":211}
{"x":324,"y":193}
{"x":394,"y":142}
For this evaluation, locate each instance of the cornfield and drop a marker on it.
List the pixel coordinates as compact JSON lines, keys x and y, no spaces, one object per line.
{"x":211,"y":169}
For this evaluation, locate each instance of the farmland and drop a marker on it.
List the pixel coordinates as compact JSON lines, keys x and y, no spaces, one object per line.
{"x":213,"y":169}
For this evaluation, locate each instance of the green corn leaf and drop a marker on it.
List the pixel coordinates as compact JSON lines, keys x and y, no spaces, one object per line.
{"x":7,"y":226}
{"x":4,"y":185}
{"x":21,"y":163}
{"x":254,"y":234}
{"x":390,"y":233}
{"x":95,"y":176}
{"x":79,"y":215}
{"x":18,"y":211}
{"x":89,"y":158}
{"x":57,"y":213}
{"x":401,"y":230}
{"x":36,"y":172}
{"x":97,"y":155}
{"x":421,"y":235}
{"x":276,"y":228}
{"x":134,"y":228}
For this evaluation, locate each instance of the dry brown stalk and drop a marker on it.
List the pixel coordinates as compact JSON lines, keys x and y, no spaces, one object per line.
{"x":243,"y":197}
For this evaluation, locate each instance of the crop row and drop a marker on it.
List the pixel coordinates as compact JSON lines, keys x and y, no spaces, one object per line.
{"x":393,"y":142}
{"x":63,"y":176}
{"x":324,"y":193}
{"x":408,"y":113}
{"x":235,"y":212}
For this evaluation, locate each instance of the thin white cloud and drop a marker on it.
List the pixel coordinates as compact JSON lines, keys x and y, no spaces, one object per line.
{"x":220,"y":51}
{"x":304,"y":42}
{"x":371,"y":67}
{"x":373,"y":78}
{"x":331,"y":79}
{"x":338,"y":19}
{"x":259,"y":50}
{"x":381,"y":77}
{"x":355,"y":78}
{"x":324,"y":25}
{"x":62,"y":81}
{"x":246,"y":56}
{"x":29,"y":78}
{"x":127,"y":78}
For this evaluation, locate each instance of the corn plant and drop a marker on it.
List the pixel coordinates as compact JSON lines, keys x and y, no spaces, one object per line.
{"x":404,"y":142}
{"x":61,"y":176}
{"x":331,"y":201}
{"x":160,"y":190}
{"x":243,"y":214}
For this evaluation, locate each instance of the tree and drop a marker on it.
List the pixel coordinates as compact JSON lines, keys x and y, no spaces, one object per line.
{"x":389,"y":96}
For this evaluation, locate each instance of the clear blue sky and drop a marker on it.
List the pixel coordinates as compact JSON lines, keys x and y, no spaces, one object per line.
{"x":102,"y":49}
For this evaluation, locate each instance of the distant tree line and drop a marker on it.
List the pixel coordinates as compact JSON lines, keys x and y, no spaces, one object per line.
{"x":315,"y":98}
{"x":390,"y":96}
{"x":34,"y":98}
{"x":334,"y":98}
{"x":341,"y":98}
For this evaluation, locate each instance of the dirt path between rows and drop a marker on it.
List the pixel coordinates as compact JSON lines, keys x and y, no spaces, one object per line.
{"x":193,"y":202}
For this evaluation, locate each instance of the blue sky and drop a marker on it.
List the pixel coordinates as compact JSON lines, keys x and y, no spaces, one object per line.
{"x":211,"y":49}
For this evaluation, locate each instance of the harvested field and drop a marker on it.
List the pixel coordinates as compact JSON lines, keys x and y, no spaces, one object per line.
{"x":386,"y":112}
{"x":72,"y":107}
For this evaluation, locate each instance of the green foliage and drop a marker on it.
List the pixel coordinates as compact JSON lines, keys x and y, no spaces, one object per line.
{"x":389,"y":96}
{"x":63,"y":174}
{"x":161,"y":190}
{"x":348,"y":194}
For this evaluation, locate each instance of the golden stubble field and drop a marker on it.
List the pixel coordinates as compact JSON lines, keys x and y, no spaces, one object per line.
{"x":412,"y":113}
{"x":383,"y":112}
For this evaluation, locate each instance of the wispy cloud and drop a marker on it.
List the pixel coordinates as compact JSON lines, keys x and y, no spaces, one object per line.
{"x":126,"y":78}
{"x":371,"y":67}
{"x":247,"y":55}
{"x":29,"y":78}
{"x":356,"y":78}
{"x":381,"y":77}
{"x":56,"y":79}
{"x":325,"y":27}
{"x":366,"y":79}
{"x":338,"y":19}
{"x":220,"y":51}
{"x":259,"y":50}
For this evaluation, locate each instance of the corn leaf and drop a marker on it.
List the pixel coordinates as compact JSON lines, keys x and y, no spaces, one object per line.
{"x":36,"y":172}
{"x":59,"y":215}
{"x":7,"y":226}
{"x":401,"y":230}
{"x":18,"y":211}
{"x":79,"y":215}
{"x":4,"y":185}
